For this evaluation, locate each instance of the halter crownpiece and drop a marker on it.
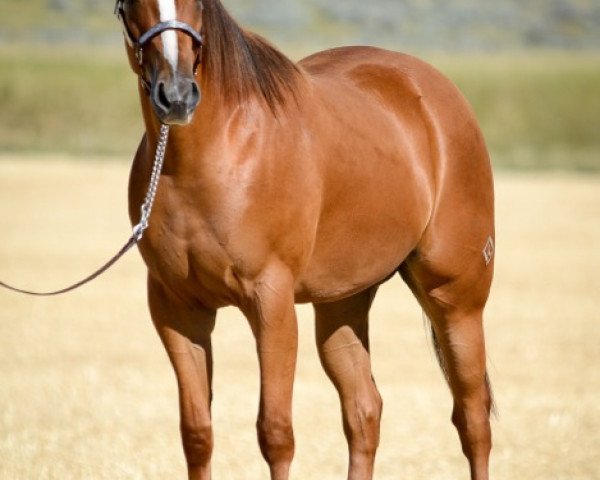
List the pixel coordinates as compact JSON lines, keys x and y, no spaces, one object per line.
{"x":147,"y":36}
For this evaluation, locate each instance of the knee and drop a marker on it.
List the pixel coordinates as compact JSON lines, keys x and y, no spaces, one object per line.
{"x":197,"y":442}
{"x":276,"y":439}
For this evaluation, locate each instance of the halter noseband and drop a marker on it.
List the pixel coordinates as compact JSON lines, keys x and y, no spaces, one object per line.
{"x":139,"y":44}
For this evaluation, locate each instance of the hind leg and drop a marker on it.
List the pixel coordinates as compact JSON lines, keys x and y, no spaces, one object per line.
{"x":462,"y":348}
{"x":454,"y":299}
{"x":343,"y":345}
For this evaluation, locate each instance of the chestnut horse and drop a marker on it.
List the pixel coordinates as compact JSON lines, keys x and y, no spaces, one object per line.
{"x":304,"y":182}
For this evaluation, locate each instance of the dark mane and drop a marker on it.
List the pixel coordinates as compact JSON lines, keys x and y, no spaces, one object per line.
{"x":242,"y":64}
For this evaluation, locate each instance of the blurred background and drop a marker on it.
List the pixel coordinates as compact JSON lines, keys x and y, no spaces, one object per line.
{"x":531,"y":68}
{"x":86,"y":390}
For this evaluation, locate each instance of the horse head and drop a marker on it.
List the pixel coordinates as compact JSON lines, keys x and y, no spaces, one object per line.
{"x":164,"y":46}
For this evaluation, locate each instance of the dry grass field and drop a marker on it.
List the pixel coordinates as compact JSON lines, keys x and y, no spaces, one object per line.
{"x":86,"y":391}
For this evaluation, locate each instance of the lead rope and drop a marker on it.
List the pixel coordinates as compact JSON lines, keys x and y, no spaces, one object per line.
{"x":138,"y":230}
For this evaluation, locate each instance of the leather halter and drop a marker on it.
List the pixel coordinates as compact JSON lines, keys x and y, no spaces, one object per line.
{"x":139,"y":44}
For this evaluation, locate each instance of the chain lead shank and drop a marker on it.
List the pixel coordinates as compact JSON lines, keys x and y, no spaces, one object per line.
{"x":159,"y":158}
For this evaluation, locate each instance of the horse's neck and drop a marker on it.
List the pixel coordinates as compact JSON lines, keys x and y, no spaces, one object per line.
{"x":221,"y":133}
{"x":209,"y":121}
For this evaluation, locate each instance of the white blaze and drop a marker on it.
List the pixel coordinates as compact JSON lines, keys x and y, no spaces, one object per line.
{"x":168,"y":12}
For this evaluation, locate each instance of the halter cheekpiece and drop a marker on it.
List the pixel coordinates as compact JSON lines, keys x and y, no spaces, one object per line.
{"x":139,"y":44}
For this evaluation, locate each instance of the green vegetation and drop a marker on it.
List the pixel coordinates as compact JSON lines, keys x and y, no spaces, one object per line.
{"x":537,"y":110}
{"x":67,"y":101}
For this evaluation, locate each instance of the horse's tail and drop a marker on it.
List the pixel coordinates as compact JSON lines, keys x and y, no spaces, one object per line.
{"x":442,"y":363}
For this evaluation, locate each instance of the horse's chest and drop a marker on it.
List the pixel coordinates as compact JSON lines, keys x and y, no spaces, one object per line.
{"x":185,"y":253}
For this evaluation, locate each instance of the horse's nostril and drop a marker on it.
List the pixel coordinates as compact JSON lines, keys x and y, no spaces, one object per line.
{"x":162,"y":96}
{"x":195,"y":96}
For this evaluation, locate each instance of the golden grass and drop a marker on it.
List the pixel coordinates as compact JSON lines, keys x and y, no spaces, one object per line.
{"x":86,"y":391}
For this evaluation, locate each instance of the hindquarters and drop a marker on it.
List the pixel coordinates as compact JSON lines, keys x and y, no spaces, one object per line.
{"x":451,"y":269}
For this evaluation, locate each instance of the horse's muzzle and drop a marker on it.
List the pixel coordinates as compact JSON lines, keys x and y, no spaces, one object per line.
{"x":175,"y":100}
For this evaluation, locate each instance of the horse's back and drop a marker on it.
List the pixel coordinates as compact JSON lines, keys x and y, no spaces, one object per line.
{"x":416,"y":93}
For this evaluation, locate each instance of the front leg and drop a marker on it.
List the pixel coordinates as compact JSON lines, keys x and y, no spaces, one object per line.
{"x":272,"y":317}
{"x":185,"y":331}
